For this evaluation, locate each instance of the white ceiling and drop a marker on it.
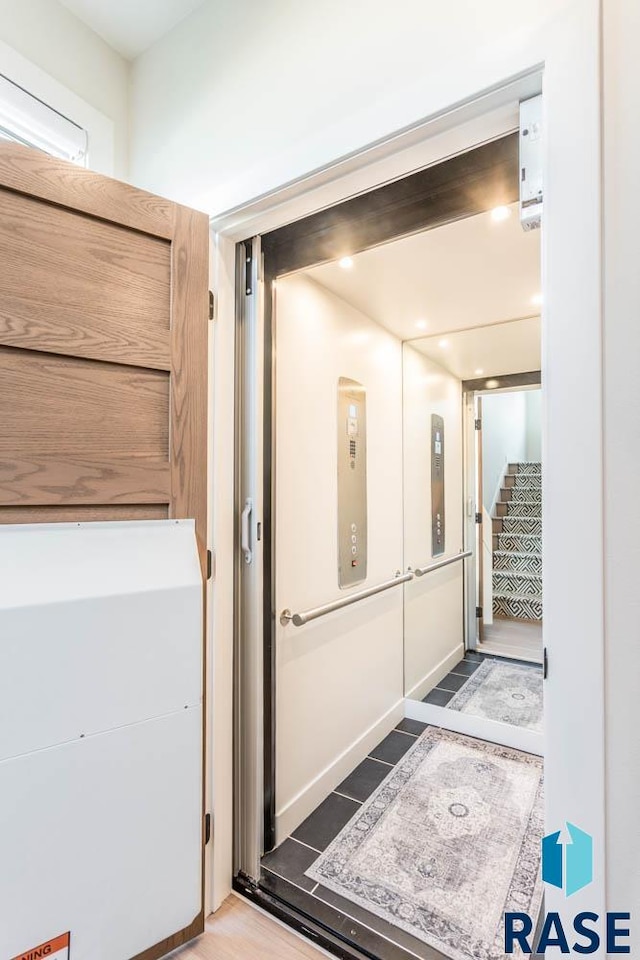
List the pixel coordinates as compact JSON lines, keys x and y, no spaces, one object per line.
{"x":465,"y":274}
{"x":486,"y":352}
{"x":130,"y":26}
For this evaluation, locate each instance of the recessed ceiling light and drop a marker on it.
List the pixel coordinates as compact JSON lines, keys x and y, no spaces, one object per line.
{"x":345,"y":262}
{"x":492,"y":384}
{"x":500,"y":213}
{"x":443,"y":344}
{"x":537,"y":299}
{"x":479,"y":372}
{"x":421,"y":324}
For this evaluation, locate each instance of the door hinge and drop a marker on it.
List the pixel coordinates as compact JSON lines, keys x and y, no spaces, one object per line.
{"x":545,"y":664}
{"x":209,"y":564}
{"x":212,"y":306}
{"x":479,"y":613}
{"x":248,"y":261}
{"x":207,"y":828}
{"x":478,"y":518}
{"x":478,"y":424}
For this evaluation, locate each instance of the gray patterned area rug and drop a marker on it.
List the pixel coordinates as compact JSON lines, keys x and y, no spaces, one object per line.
{"x":507,"y":692}
{"x":446,"y":844}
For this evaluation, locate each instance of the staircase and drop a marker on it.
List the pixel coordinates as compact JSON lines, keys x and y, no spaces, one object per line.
{"x":517,"y":544}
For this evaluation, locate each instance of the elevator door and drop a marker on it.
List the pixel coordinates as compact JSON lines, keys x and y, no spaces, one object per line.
{"x":103,"y":369}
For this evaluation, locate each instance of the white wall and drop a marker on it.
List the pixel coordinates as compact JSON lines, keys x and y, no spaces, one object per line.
{"x":622,"y":463}
{"x":534,"y":425}
{"x":504,"y":440}
{"x":434,"y":621}
{"x":339,"y":678}
{"x":57,"y":42}
{"x":243,"y":96}
{"x":511,"y":432}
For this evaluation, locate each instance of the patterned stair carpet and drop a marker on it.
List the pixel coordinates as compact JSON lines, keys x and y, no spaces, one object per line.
{"x":517,"y":557}
{"x":447,"y":843}
{"x":507,"y":692}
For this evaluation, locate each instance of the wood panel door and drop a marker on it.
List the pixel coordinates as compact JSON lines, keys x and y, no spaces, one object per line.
{"x":103,"y":348}
{"x":103,"y":356}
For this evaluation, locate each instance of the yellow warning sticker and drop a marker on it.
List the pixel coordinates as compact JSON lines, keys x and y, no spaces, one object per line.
{"x":56,"y":949}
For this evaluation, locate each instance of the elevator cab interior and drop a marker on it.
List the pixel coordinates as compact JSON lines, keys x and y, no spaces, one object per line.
{"x":391,"y":624}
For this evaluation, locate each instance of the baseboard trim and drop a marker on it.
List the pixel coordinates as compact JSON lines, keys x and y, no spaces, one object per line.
{"x":297,"y":809}
{"x":435,"y":675}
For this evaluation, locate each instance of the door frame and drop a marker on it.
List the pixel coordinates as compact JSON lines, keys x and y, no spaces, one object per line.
{"x":477,"y":428}
{"x":457,"y":187}
{"x":571,"y":288}
{"x":472,"y":394}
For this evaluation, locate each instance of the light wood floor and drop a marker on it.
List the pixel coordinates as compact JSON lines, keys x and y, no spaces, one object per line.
{"x":513,"y":638}
{"x":238,"y":931}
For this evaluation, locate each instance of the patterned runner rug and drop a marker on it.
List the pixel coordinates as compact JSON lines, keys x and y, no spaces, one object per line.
{"x":510,"y":693}
{"x":446,"y":844}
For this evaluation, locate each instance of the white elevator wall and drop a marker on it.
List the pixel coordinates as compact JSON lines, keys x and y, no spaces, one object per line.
{"x":339,"y":678}
{"x":434,"y":613}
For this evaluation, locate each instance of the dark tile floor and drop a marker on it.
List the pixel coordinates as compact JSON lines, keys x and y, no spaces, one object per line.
{"x":456,"y":678}
{"x":283,"y":870}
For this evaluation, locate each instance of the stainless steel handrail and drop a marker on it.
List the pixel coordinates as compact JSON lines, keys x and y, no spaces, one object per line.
{"x":420,"y":571}
{"x":299,"y":619}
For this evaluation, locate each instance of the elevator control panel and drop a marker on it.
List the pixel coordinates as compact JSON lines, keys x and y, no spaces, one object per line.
{"x":352,"y":482}
{"x":437,"y":485}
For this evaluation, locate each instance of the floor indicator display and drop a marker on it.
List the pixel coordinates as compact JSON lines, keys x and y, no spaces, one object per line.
{"x":437,"y":485}
{"x":352,"y":483}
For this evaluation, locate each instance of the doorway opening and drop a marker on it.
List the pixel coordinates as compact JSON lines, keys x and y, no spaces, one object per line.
{"x":370,"y":569}
{"x":509,"y":546}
